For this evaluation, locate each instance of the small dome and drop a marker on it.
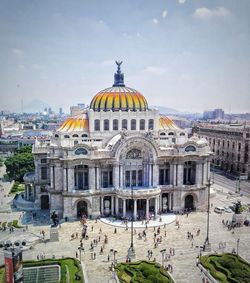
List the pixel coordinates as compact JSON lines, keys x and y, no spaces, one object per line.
{"x":166,"y":124}
{"x":75,"y":124}
{"x":119,"y":97}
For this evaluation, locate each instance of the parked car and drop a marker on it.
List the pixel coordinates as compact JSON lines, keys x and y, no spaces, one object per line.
{"x":219,"y":209}
{"x":228,"y":209}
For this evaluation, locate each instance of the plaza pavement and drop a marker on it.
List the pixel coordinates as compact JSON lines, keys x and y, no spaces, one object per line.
{"x":183,"y":262}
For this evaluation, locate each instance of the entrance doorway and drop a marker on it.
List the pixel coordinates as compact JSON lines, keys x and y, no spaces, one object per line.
{"x":45,"y":202}
{"x":82,"y":209}
{"x":189,"y":202}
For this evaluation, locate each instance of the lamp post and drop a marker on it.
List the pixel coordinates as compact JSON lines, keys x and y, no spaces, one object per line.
{"x":131,"y":250}
{"x":114,"y":253}
{"x":207,"y":245}
{"x":238,"y":242}
{"x":162,"y":254}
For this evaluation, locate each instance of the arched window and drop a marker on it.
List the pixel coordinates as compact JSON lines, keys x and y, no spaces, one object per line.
{"x":133,"y":124}
{"x":171,"y":134}
{"x":66,"y":136}
{"x":162,"y":134}
{"x":56,"y":136}
{"x":97,"y":125}
{"x":142,"y":124}
{"x":75,"y":136}
{"x":151,"y":124}
{"x":124,"y":124}
{"x":115,"y":125}
{"x":84,"y":136}
{"x":106,"y":125}
{"x":183,"y":134}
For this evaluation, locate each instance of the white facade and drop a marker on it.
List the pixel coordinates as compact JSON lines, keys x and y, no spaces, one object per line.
{"x":143,"y":169}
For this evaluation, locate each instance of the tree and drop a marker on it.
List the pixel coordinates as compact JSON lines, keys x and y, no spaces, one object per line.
{"x":20,"y":163}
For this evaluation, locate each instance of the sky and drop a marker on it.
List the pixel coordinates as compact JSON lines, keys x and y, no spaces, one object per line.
{"x":190,"y":55}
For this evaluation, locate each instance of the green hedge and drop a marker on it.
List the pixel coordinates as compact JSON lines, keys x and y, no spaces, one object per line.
{"x":142,"y":272}
{"x":227,"y":268}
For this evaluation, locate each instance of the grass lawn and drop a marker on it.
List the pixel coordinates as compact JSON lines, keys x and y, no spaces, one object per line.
{"x":73,"y":265}
{"x":142,"y":272}
{"x":227,"y":268}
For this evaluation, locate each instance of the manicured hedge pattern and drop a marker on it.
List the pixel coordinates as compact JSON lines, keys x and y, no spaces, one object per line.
{"x":227,"y":268}
{"x":142,"y":272}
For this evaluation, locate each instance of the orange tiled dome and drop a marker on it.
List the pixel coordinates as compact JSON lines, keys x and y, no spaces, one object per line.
{"x":119,"y":97}
{"x":75,"y":124}
{"x":166,"y":124}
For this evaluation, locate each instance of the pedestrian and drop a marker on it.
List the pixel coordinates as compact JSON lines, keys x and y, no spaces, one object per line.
{"x":76,"y":254}
{"x":100,"y":231}
{"x":94,"y":255}
{"x":115,"y":231}
{"x":108,"y":258}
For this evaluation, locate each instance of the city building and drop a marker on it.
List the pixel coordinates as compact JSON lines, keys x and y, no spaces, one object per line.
{"x":118,"y":157}
{"x":230,"y":144}
{"x":216,"y":114}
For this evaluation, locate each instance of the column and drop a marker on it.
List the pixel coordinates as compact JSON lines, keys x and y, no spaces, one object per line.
{"x":156,"y":206}
{"x":180,"y":175}
{"x":172,"y":200}
{"x":135,"y":209}
{"x":116,"y":206}
{"x":91,"y":178}
{"x":124,"y":208}
{"x":52,"y":185}
{"x":149,"y":175}
{"x":208,"y":170}
{"x":145,"y":181}
{"x":71,"y":182}
{"x":121,"y":176}
{"x":198,"y":177}
{"x":101,"y":206}
{"x":147,"y":209}
{"x":112,"y":205}
{"x":26,"y":192}
{"x":171,"y":174}
{"x":160,"y":202}
{"x":205,"y":173}
{"x":174,"y":174}
{"x":65,"y":179}
{"x":155,"y":174}
{"x":97,"y":178}
{"x":116,"y":176}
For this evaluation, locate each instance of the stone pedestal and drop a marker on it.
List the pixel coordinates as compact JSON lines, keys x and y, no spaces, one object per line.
{"x":238,"y":219}
{"x":131,"y":253}
{"x":54,"y":234}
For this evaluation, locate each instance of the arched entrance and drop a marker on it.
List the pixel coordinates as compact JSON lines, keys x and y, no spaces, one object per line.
{"x":44,"y":202}
{"x":189,"y":202}
{"x":82,"y":209}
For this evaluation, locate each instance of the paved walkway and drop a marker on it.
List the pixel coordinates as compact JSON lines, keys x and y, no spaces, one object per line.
{"x":185,"y":250}
{"x":162,"y":220}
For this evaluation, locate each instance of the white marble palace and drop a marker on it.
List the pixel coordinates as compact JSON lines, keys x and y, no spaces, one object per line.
{"x":118,"y":157}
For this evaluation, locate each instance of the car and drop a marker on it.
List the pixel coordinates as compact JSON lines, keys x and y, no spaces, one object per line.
{"x":219,"y":209}
{"x":228,"y":209}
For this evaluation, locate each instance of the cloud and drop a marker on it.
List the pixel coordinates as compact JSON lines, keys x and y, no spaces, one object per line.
{"x":205,"y":13}
{"x":155,"y":21}
{"x":17,"y":51}
{"x":154,"y":70}
{"x":164,"y":14}
{"x":181,"y":1}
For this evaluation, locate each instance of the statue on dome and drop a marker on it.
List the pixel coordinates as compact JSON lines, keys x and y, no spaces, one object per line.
{"x":118,"y":65}
{"x":118,"y":76}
